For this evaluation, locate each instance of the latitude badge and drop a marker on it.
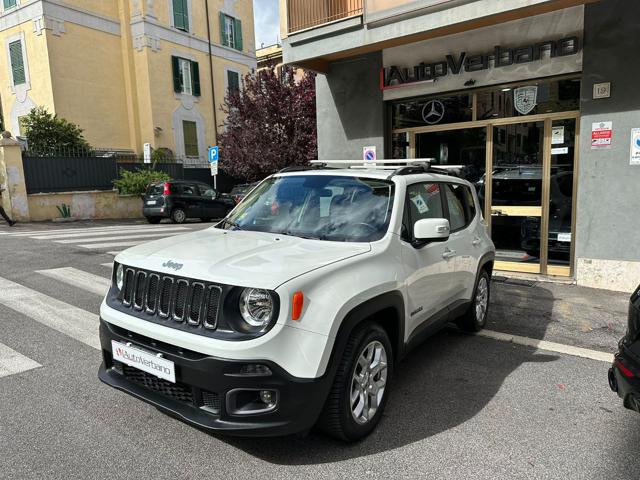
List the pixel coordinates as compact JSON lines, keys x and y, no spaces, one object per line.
{"x":525,"y":99}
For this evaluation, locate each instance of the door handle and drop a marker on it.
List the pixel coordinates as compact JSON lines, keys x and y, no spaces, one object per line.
{"x":448,"y":254}
{"x":476,"y":241}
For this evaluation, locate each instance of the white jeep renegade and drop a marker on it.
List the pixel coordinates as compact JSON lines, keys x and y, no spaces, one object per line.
{"x":295,"y":309}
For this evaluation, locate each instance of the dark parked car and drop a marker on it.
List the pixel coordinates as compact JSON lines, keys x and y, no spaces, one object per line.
{"x":240,"y":191}
{"x":182,"y":199}
{"x":624,"y":375}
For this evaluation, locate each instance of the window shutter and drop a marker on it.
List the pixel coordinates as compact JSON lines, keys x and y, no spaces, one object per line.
{"x":238,"y":34}
{"x":223,"y":30}
{"x":190,"y":133}
{"x":178,"y":14}
{"x":17,"y":63}
{"x":9,"y":3}
{"x":177,"y":77}
{"x":195,"y":79}
{"x":233,"y":81}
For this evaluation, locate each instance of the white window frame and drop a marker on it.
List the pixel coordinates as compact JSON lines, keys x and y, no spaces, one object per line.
{"x":184,"y":66}
{"x":10,"y":9}
{"x":230,"y":30}
{"x":23,"y":87}
{"x":189,"y":18}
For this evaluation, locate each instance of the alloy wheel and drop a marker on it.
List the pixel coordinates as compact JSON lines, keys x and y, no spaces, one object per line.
{"x":482,"y":300}
{"x":368,"y":382}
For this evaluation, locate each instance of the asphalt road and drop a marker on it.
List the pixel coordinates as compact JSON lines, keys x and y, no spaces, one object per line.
{"x":461,"y":406}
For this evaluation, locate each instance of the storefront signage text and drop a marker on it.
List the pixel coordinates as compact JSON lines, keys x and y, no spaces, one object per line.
{"x":500,"y":57}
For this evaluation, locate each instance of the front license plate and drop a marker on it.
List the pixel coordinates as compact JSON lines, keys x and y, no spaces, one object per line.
{"x":151,"y":202}
{"x":145,"y":361}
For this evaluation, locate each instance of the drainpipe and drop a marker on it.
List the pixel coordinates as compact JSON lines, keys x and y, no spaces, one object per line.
{"x":213,"y":90}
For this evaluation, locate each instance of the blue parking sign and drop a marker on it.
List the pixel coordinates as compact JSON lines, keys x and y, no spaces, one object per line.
{"x":213,"y":154}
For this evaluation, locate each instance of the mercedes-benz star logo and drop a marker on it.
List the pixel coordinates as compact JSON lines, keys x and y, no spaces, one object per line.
{"x":433,"y":111}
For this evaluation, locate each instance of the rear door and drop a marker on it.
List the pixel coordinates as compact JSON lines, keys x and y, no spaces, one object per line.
{"x":212,"y":204}
{"x":190,"y":198}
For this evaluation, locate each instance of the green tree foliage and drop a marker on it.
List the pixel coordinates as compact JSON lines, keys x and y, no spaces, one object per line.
{"x":136,"y":183}
{"x":49,"y":134}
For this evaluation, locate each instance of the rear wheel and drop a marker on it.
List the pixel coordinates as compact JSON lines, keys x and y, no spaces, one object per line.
{"x":475,"y":317}
{"x":360,"y":389}
{"x":178,"y":215}
{"x":154,"y":220}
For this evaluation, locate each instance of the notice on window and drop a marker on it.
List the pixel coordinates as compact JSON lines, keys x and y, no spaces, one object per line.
{"x":601,"y":135}
{"x":559,"y":150}
{"x":635,"y":146}
{"x":557,"y":135}
{"x":420,"y":204}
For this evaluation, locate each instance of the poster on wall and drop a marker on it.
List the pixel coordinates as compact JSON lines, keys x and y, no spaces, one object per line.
{"x":557,"y":135}
{"x":601,"y":135}
{"x":635,"y":146}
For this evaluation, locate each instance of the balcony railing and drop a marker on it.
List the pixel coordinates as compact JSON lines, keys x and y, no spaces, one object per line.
{"x":303,"y":14}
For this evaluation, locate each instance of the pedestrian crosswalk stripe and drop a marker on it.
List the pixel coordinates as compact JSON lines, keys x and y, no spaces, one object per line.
{"x":79,"y":279}
{"x":131,"y":243}
{"x":119,"y":237}
{"x":88,"y":229}
{"x":83,"y":234}
{"x":110,"y":264}
{"x":60,"y":316}
{"x":114,"y":253}
{"x":12,"y":362}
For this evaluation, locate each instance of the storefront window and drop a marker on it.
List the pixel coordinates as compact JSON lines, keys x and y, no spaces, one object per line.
{"x":529,"y":99}
{"x":424,"y":112}
{"x":400,"y":145}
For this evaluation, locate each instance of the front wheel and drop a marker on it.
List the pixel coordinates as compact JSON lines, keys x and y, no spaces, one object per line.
{"x":475,"y":318}
{"x":360,"y":389}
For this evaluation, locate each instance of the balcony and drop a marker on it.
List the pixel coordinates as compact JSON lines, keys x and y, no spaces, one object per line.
{"x":306,"y":14}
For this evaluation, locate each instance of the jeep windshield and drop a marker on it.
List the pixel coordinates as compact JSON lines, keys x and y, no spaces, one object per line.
{"x":320,"y":207}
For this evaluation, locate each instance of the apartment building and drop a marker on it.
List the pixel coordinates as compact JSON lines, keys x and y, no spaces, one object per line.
{"x":129,"y":72}
{"x":536,"y":102}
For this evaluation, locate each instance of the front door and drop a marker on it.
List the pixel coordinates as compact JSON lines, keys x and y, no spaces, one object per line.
{"x":190,"y":197}
{"x":212,"y":206}
{"x":516,"y":192}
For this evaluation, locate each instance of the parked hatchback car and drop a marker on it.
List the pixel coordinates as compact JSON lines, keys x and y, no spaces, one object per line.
{"x":182,"y":199}
{"x":240,"y":191}
{"x":624,"y":375}
{"x":295,"y":309}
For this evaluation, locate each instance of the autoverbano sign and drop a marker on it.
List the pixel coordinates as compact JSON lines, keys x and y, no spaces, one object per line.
{"x":394,"y":76}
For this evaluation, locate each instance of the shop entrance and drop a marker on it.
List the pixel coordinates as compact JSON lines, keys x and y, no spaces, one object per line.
{"x":523,"y":168}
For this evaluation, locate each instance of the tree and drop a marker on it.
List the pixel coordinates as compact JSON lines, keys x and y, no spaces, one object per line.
{"x":49,"y":134}
{"x":270,"y":124}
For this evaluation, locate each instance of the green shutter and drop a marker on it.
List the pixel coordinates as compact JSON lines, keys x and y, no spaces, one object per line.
{"x":233,"y":81}
{"x":195,"y":79}
{"x":17,"y":63}
{"x":223,"y":29}
{"x":9,"y":3}
{"x":190,"y":133}
{"x":180,"y":15}
{"x":177,"y":78}
{"x":238,"y":34}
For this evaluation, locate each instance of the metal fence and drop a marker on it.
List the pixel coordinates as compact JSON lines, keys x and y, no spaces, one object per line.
{"x":303,"y":14}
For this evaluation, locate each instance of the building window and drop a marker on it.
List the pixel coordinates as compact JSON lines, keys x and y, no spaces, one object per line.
{"x":9,"y":3}
{"x":230,"y":31}
{"x":17,"y":63}
{"x":186,"y":76}
{"x":190,"y":133}
{"x":22,"y":128}
{"x":233,"y":81}
{"x":180,"y":15}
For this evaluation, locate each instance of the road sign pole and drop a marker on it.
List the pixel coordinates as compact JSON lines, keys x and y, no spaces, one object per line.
{"x":215,"y":182}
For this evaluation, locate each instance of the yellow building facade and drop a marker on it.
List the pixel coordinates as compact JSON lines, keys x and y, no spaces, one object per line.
{"x":128,"y":72}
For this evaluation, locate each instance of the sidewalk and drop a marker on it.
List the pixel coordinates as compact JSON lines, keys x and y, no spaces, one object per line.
{"x":567,"y":314}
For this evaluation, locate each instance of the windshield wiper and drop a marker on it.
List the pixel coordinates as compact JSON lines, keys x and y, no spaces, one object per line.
{"x":233,"y":224}
{"x":289,"y":233}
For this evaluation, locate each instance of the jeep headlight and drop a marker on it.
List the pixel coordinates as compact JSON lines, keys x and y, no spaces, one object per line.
{"x":256,"y":307}
{"x":119,"y":276}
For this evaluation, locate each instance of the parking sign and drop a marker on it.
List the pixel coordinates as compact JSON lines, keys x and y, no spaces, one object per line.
{"x":213,"y":154}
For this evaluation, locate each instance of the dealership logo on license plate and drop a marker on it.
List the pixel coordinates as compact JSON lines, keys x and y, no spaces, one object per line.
{"x":145,"y":361}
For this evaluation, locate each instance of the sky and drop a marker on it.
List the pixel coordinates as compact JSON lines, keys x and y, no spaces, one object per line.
{"x":267,"y":22}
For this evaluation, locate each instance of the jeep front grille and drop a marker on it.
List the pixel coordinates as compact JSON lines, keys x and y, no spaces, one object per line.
{"x":181,"y":300}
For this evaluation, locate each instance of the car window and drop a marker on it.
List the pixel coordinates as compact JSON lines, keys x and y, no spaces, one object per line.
{"x":157,"y":189}
{"x":455,"y":202}
{"x":206,"y":191}
{"x":189,"y":190}
{"x":471,"y":205}
{"x":425,"y":201}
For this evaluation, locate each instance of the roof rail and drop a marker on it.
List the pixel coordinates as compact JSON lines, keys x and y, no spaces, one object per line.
{"x":392,"y":164}
{"x":300,"y":168}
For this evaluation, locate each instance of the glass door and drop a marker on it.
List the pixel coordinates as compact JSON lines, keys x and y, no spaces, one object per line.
{"x":516,"y":193}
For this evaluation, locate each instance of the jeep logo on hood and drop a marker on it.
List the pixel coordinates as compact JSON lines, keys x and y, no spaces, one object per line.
{"x":172,"y":265}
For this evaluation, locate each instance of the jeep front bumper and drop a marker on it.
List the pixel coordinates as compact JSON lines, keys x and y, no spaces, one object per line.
{"x":214,"y":393}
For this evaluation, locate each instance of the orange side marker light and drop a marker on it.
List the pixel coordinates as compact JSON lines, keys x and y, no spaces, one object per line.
{"x":297,"y":304}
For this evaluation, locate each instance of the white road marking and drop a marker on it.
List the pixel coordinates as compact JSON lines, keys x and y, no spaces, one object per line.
{"x":28,"y":233}
{"x":107,"y":264}
{"x":548,"y":346}
{"x":57,"y":236}
{"x":60,"y":316}
{"x":79,"y":279}
{"x":94,"y":246}
{"x":114,"y":253}
{"x":119,"y":237}
{"x":12,"y":362}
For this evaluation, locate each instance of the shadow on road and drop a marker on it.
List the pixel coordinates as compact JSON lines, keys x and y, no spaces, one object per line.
{"x":441,"y":384}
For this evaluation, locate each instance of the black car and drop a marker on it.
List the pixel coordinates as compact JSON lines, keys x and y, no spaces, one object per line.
{"x":182,"y":199}
{"x":240,"y":191}
{"x":624,"y":375}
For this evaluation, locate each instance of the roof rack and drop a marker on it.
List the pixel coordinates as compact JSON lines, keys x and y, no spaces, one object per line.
{"x":395,"y":166}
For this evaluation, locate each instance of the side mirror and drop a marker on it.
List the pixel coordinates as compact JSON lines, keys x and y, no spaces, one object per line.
{"x":431,"y":230}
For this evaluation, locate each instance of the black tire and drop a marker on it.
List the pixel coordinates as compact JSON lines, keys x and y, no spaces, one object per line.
{"x":337,"y":419}
{"x":154,"y":220}
{"x":178,"y":215}
{"x":474,"y":318}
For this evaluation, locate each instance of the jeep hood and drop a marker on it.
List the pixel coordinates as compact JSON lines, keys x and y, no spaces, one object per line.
{"x":243,"y":258}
